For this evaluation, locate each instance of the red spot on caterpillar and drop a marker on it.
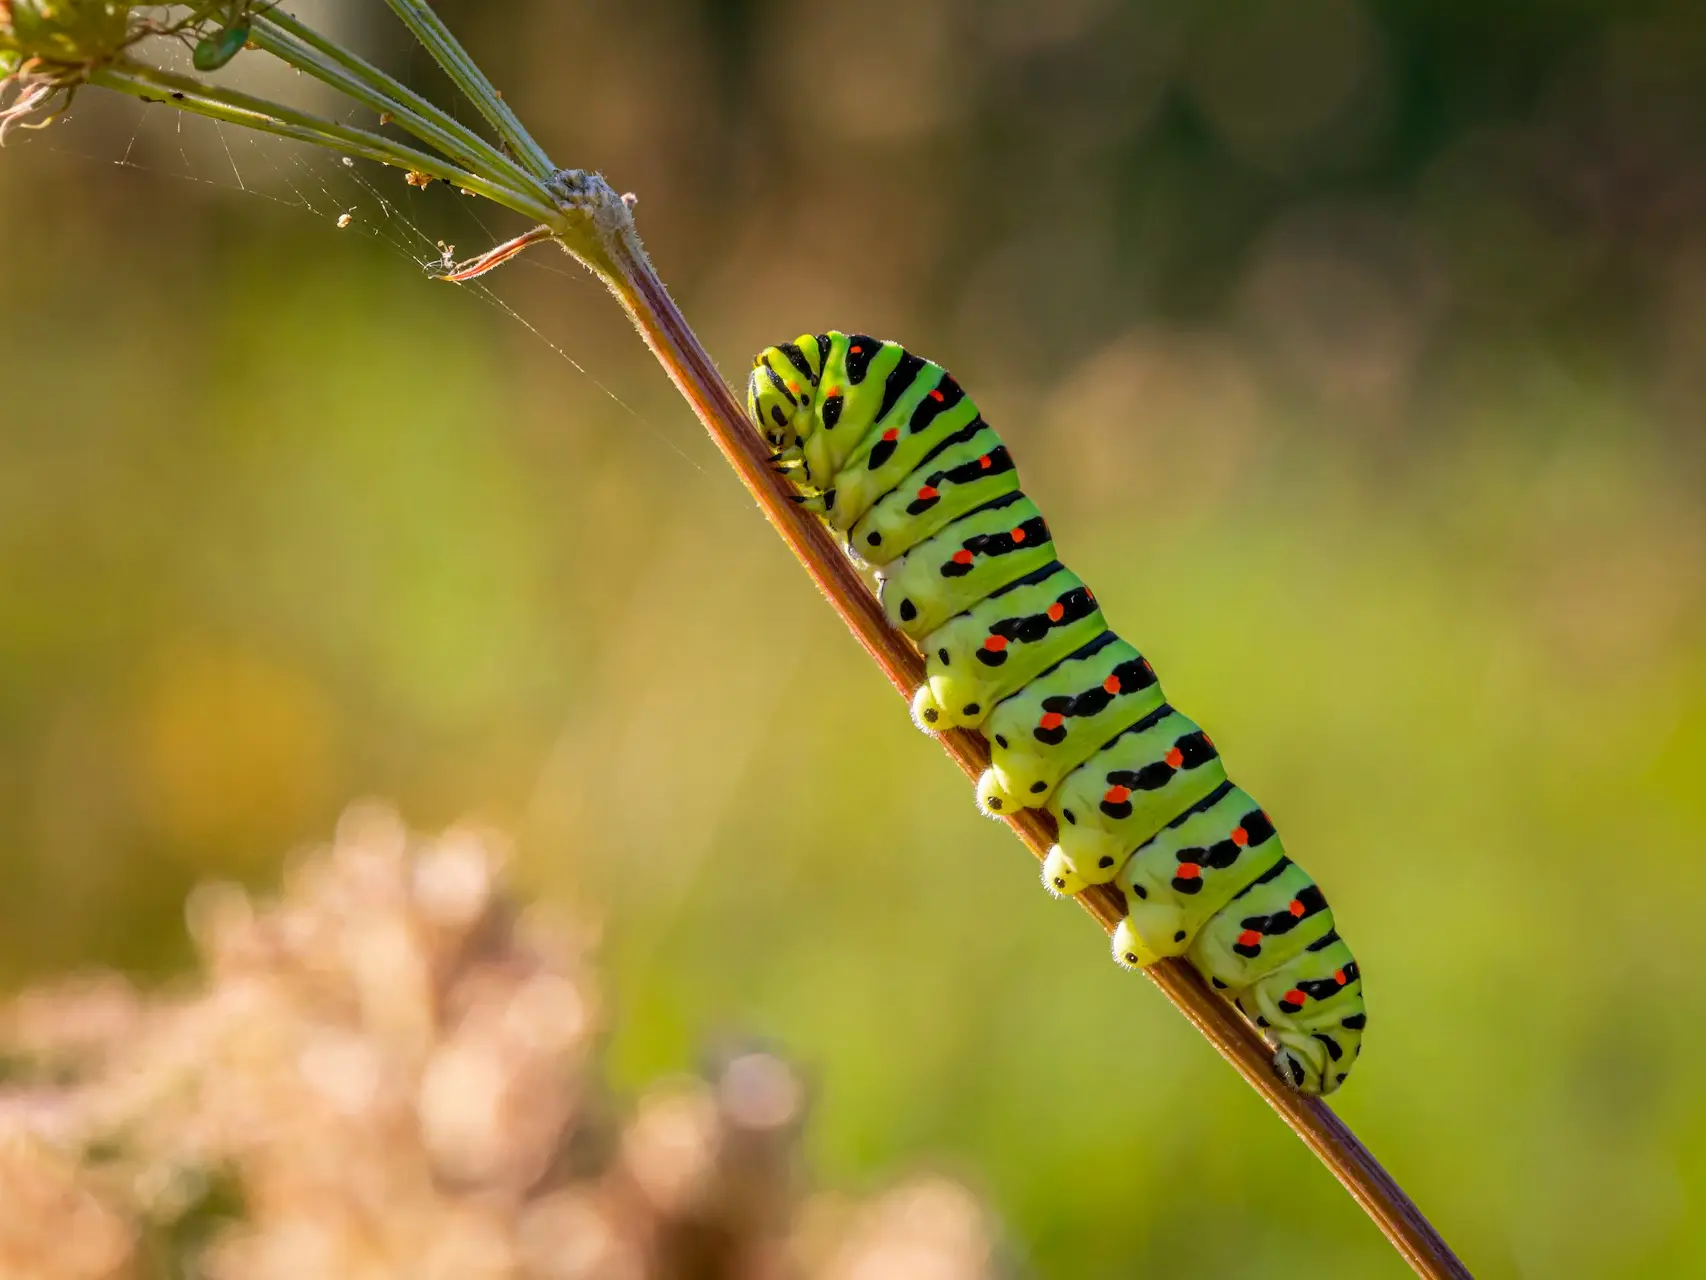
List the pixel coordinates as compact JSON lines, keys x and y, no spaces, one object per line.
{"x":1091,"y":595}
{"x":1207,"y":741}
{"x":794,"y":387}
{"x":937,"y":395}
{"x":892,"y":434}
{"x":1339,"y":976}
{"x":1294,"y":998}
{"x":1175,"y":757}
{"x":856,"y":350}
{"x":1146,"y":666}
{"x":1249,"y":938}
{"x":832,"y":391}
{"x":1052,"y":720}
{"x":1240,"y":837}
{"x":1111,"y":684}
{"x":1056,"y":612}
{"x":995,"y":644}
{"x":962,"y":557}
{"x":1117,"y":795}
{"x":984,"y":463}
{"x":1018,"y":535}
{"x":1188,"y":871}
{"x":1296,"y":908}
{"x":928,"y":492}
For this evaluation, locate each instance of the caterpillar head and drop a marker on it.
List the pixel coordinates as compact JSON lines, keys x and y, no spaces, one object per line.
{"x":779,"y":398}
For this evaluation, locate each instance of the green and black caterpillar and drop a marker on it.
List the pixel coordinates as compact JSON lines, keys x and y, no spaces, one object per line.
{"x":895,"y":457}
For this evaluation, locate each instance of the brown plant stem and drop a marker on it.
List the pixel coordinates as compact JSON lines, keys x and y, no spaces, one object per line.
{"x":689,"y":366}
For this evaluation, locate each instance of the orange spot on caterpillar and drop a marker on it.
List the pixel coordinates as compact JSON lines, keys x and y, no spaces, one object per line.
{"x":928,"y":492}
{"x":995,"y":644}
{"x":937,"y":395}
{"x":1207,"y":741}
{"x":1294,"y":997}
{"x":1117,"y":795}
{"x":1240,"y":837}
{"x":794,"y":388}
{"x":1111,"y":684}
{"x":1018,"y":535}
{"x":962,"y":557}
{"x":856,"y":350}
{"x":1188,"y":871}
{"x":1175,"y":757}
{"x":1052,"y":720}
{"x":1296,"y":907}
{"x":984,"y":462}
{"x":1249,"y":938}
{"x":1056,"y":612}
{"x":1339,"y":976}
{"x":832,"y":391}
{"x":892,"y":434}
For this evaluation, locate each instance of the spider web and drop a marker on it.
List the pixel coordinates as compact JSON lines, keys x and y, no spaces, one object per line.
{"x":342,"y":193}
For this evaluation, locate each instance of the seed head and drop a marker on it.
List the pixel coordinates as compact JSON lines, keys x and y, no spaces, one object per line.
{"x":48,"y":48}
{"x":62,"y":33}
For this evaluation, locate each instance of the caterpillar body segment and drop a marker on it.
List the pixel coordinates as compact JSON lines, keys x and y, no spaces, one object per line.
{"x":965,"y":471}
{"x":1152,"y":773}
{"x":896,"y":458}
{"x":1057,"y":722}
{"x":1221,"y":850}
{"x":981,"y":553}
{"x":1001,"y":643}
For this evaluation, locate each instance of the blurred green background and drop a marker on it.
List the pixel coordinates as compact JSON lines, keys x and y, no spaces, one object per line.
{"x":1357,"y":351}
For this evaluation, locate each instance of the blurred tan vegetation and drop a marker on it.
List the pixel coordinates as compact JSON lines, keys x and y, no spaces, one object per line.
{"x":1355,"y":350}
{"x":389,"y":1071}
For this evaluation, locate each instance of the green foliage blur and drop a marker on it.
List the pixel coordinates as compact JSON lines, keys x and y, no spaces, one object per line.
{"x":1355,"y":351}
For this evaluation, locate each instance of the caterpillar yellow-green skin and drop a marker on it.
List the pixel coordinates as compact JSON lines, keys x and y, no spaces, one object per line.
{"x":888,"y":449}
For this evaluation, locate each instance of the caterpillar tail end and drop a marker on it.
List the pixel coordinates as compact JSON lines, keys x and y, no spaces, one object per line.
{"x":1316,"y":1059}
{"x":1058,"y":876}
{"x":1302,"y":1063}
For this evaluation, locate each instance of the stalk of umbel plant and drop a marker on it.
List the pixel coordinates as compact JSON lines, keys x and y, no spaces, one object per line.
{"x":52,"y":49}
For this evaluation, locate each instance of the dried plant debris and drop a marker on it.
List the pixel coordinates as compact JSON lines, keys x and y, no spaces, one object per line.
{"x":391,"y":1071}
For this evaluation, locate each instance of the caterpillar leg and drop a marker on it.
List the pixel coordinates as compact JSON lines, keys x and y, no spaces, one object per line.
{"x":1059,"y":878}
{"x":995,"y":800}
{"x":928,"y":713}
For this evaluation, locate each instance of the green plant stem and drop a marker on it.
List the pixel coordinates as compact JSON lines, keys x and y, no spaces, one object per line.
{"x":643,"y":295}
{"x":232,"y":107}
{"x":302,"y":47}
{"x":448,"y":52}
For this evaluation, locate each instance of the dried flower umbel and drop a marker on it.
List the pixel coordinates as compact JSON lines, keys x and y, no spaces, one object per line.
{"x":47,"y":49}
{"x":391,"y":1071}
{"x":50,"y":48}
